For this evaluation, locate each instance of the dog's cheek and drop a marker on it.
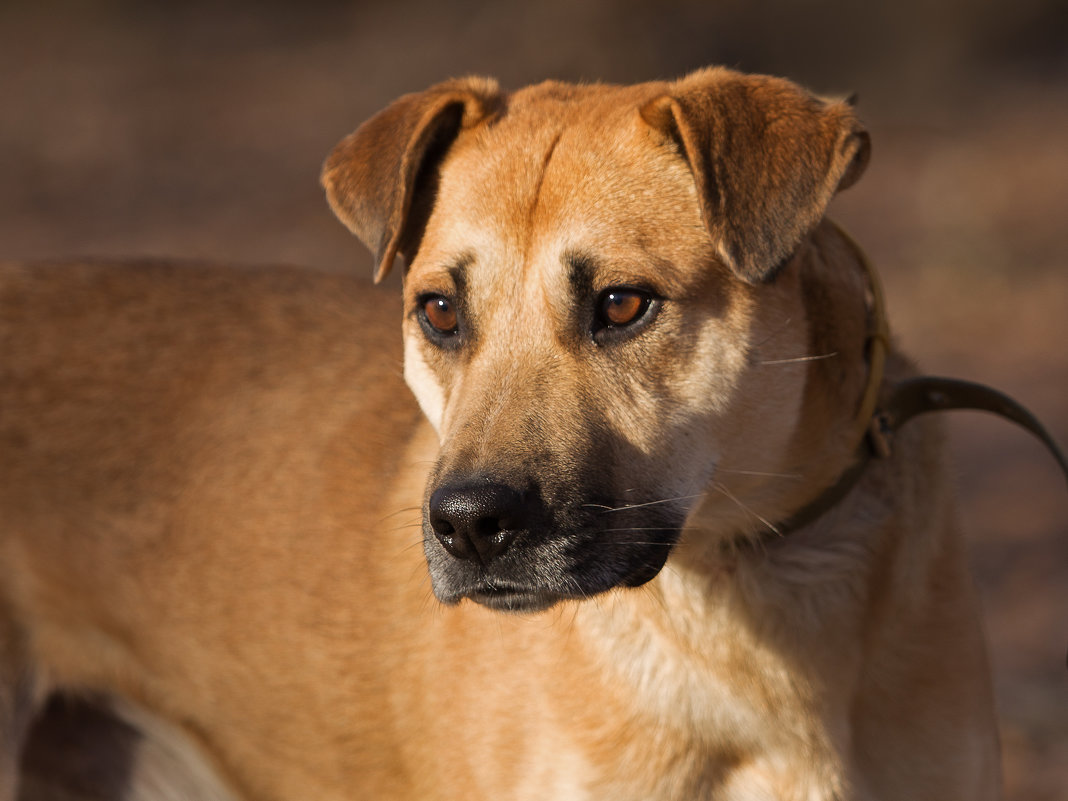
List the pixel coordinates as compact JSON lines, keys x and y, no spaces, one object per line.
{"x":670,"y":405}
{"x":423,"y":382}
{"x":711,"y":379}
{"x":690,"y":416}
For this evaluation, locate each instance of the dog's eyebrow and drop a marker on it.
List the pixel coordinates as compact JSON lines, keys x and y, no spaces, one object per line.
{"x":581,"y":268}
{"x":449,"y":277}
{"x":458,"y":273}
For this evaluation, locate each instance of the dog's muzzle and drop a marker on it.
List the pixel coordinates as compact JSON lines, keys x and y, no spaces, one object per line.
{"x":506,"y":548}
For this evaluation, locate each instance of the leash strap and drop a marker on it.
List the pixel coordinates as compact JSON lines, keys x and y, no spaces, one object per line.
{"x":935,"y":394}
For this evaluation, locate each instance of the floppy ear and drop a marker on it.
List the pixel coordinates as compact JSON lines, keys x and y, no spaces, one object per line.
{"x":767,"y":158}
{"x":372,"y":175}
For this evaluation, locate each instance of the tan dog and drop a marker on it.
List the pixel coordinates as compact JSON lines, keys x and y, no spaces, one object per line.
{"x":639,"y":350}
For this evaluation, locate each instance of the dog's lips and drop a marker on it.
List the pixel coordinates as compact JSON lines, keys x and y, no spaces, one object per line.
{"x":512,"y":598}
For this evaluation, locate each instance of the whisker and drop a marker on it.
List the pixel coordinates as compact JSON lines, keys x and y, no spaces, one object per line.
{"x":411,"y":546}
{"x":766,"y":474}
{"x":775,"y":333}
{"x":420,"y":574}
{"x":400,"y":511}
{"x":630,"y":542}
{"x":402,"y":526}
{"x":570,"y":631}
{"x":576,"y":589}
{"x":640,"y":505}
{"x":726,"y":493}
{"x":797,"y":359}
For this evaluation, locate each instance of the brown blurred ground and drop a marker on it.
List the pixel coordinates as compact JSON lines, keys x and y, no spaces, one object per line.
{"x":196,"y":130}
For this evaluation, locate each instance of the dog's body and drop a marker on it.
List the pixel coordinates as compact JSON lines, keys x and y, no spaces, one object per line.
{"x":637,"y":348}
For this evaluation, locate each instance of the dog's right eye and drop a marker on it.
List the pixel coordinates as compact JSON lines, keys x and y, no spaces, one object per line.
{"x":438,"y":316}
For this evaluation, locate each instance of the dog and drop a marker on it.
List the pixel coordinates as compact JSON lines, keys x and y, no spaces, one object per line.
{"x":568,"y":563}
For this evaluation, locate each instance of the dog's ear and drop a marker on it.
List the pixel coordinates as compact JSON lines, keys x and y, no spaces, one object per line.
{"x":372,"y":175}
{"x":767,"y":158}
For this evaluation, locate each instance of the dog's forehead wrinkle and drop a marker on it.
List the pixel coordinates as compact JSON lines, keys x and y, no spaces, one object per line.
{"x":535,"y":199}
{"x":614,"y":209}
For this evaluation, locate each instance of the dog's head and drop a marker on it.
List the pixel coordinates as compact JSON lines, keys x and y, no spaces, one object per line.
{"x":591,"y":306}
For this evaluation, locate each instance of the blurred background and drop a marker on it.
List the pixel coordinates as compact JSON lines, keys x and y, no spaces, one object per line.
{"x":196,"y":129}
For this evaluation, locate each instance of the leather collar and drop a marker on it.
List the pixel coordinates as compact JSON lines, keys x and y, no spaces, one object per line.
{"x":878,"y":423}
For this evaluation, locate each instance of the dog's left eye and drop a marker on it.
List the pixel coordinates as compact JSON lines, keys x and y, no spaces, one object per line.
{"x":620,"y":308}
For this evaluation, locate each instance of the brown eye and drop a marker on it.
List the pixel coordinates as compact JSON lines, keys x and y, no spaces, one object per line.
{"x":619,"y":307}
{"x":440,"y":314}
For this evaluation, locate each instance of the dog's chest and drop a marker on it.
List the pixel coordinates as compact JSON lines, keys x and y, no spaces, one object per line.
{"x":670,"y":722}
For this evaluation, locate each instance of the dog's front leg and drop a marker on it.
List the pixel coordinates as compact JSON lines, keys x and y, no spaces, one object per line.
{"x":18,"y":702}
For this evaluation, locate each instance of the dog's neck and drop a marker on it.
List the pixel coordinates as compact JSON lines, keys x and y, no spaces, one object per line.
{"x":847,"y":343}
{"x":882,"y":410}
{"x":876,"y":349}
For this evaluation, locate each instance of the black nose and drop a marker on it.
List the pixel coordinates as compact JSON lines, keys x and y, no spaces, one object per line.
{"x":476,"y":522}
